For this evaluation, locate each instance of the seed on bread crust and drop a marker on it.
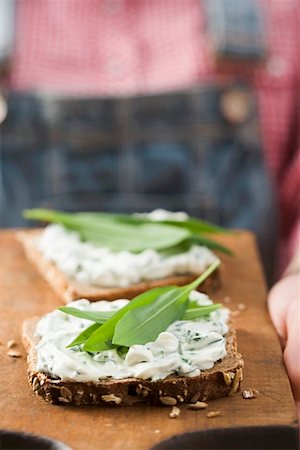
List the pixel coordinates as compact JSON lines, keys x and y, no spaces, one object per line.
{"x":142,"y":390}
{"x":66,"y":393}
{"x":198,"y":405}
{"x":111,"y":398}
{"x":168,"y":401}
{"x":63,"y":400}
{"x":175,"y":412}
{"x":36,"y":384}
{"x":236,"y":381}
{"x":195,"y":397}
{"x":227,"y":378}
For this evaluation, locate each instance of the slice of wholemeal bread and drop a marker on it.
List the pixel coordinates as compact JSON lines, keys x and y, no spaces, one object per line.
{"x":223,"y":379}
{"x":69,"y":289}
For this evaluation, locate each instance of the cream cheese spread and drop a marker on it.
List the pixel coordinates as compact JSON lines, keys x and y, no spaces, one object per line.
{"x":159,"y":214}
{"x":185,"y":348}
{"x":89,"y":264}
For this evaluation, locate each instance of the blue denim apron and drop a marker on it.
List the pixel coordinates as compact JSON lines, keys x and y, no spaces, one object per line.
{"x":180,"y":151}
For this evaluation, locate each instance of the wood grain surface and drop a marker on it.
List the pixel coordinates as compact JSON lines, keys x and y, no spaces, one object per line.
{"x":23,"y":293}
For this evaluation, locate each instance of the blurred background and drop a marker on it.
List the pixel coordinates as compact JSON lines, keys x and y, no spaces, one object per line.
{"x":131,"y":105}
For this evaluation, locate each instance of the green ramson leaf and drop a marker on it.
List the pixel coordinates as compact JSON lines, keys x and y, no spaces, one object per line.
{"x":82,"y":337}
{"x":144,"y":324}
{"x":192,"y":304}
{"x":213,"y":245}
{"x":94,"y":316}
{"x":129,"y":232}
{"x":192,"y":223}
{"x":105,"y":231}
{"x":98,"y":340}
{"x":196,"y":225}
{"x":195,"y":313}
{"x":142,"y":319}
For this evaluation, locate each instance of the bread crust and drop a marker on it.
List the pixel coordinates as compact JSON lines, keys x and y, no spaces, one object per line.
{"x":69,"y":289}
{"x":220,"y":381}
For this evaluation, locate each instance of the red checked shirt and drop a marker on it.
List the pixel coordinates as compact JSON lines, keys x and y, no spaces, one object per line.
{"x":119,"y":47}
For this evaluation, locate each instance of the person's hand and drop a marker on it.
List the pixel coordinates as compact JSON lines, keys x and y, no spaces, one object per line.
{"x":284,"y":308}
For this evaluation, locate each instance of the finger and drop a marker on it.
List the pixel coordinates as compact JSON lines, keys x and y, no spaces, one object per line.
{"x":277,"y":309}
{"x":291,"y":353}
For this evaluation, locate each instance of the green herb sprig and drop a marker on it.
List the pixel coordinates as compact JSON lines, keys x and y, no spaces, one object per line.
{"x":143,"y":318}
{"x":135,"y":234}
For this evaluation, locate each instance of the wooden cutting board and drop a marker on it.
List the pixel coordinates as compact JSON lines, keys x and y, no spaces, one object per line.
{"x":23,"y":293}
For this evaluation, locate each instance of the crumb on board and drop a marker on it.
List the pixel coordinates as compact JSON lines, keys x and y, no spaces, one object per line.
{"x":14,"y":354}
{"x":212,"y":414}
{"x":250,"y":393}
{"x":198,"y":405}
{"x":241,"y":307}
{"x":175,"y":412}
{"x":11,"y":343}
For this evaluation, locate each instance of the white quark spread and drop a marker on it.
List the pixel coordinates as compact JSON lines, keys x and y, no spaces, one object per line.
{"x":89,"y":264}
{"x":159,"y":214}
{"x":185,"y":348}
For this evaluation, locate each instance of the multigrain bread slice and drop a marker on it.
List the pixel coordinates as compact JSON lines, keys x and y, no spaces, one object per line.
{"x":220,"y":381}
{"x":69,"y":289}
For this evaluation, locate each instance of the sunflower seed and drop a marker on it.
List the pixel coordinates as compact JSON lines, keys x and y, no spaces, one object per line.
{"x":111,"y":398}
{"x":198,"y":405}
{"x":212,"y":414}
{"x":14,"y":354}
{"x":36,"y":384}
{"x":66,"y":393}
{"x":168,"y":401}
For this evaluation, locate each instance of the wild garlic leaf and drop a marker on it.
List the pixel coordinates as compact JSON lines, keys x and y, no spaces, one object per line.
{"x":107,"y":232}
{"x":192,"y":304}
{"x":82,"y":337}
{"x":196,"y":225}
{"x":192,"y":223}
{"x":145,"y":323}
{"x":195,"y":313}
{"x":213,"y":245}
{"x":97,"y":341}
{"x":101,"y":337}
{"x":128,"y":232}
{"x":94,"y":316}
